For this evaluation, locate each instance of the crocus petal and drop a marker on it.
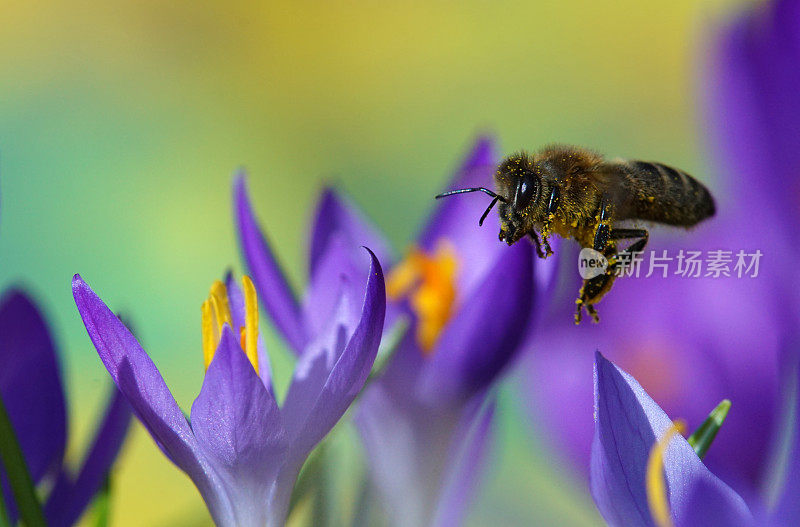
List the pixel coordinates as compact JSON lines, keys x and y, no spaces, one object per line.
{"x":69,"y":499}
{"x":466,"y":468}
{"x":787,"y":509}
{"x":627,"y":425}
{"x":236,"y":302}
{"x":337,"y":273}
{"x":315,"y":364}
{"x":484,"y":336}
{"x":350,"y":371}
{"x":455,"y":219}
{"x":140,"y":381}
{"x":337,"y":215}
{"x":408,"y":446}
{"x":238,"y":426}
{"x":30,"y":384}
{"x":715,"y":354}
{"x":709,"y":505}
{"x":755,"y":110}
{"x":273,"y":289}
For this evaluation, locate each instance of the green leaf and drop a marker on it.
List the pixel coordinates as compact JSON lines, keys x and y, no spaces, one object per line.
{"x":102,"y":504}
{"x":702,"y":438}
{"x":321,"y":514}
{"x":4,"y":521}
{"x":30,"y":510}
{"x":310,"y":476}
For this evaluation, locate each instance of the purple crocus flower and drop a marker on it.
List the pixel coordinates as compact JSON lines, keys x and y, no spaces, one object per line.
{"x":690,"y":341}
{"x":694,"y":341}
{"x":754,"y":111}
{"x":239,"y":448}
{"x":32,"y":391}
{"x":467,"y":298}
{"x":641,"y":475}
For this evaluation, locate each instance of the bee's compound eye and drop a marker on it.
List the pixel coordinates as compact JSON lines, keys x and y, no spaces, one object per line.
{"x":526,"y":190}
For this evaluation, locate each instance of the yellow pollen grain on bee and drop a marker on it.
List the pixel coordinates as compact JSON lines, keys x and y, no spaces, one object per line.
{"x":429,"y":283}
{"x":656,"y":485}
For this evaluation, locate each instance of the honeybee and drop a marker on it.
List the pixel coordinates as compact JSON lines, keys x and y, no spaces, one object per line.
{"x":576,"y":193}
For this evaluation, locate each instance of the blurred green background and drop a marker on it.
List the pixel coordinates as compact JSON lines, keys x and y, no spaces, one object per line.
{"x":122,"y":122}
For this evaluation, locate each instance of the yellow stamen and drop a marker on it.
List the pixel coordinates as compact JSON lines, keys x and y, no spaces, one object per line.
{"x":216,"y":313}
{"x":404,"y":276}
{"x":656,"y":486}
{"x":429,"y":282}
{"x":219,"y":297}
{"x":209,"y":342}
{"x":250,"y":321}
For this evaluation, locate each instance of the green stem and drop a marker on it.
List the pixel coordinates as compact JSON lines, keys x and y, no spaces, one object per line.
{"x":702,"y":438}
{"x":30,"y":510}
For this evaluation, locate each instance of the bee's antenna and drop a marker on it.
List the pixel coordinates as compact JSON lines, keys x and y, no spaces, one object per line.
{"x":474,"y":189}
{"x":486,"y":212}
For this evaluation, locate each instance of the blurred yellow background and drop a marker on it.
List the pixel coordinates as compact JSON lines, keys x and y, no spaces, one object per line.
{"x":122,"y":122}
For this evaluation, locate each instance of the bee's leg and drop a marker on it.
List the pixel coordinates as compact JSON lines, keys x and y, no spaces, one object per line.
{"x":547,"y":250}
{"x":602,"y":233}
{"x":624,"y":234}
{"x":535,"y":238}
{"x":595,"y":288}
{"x":592,"y":291}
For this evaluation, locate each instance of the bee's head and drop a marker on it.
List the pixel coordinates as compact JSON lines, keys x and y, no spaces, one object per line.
{"x":519,"y":182}
{"x":519,"y":189}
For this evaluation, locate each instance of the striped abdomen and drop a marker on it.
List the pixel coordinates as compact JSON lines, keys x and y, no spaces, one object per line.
{"x":656,"y":192}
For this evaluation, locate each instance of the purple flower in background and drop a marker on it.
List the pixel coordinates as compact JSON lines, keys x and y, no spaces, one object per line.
{"x":753,"y":106}
{"x":467,"y":300}
{"x":690,"y":341}
{"x":32,"y":391}
{"x":239,"y":448}
{"x":643,"y":476}
{"x":694,"y":341}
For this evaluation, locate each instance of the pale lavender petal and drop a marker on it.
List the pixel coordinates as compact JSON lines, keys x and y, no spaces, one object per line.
{"x":627,"y":424}
{"x":455,"y":218}
{"x":314,"y":366}
{"x":337,"y":272}
{"x":30,"y":384}
{"x":408,"y":446}
{"x":273,"y":289}
{"x":69,"y":499}
{"x":337,"y":215}
{"x":238,"y":427}
{"x":140,"y":381}
{"x":466,"y":469}
{"x":350,"y":371}
{"x":486,"y":332}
